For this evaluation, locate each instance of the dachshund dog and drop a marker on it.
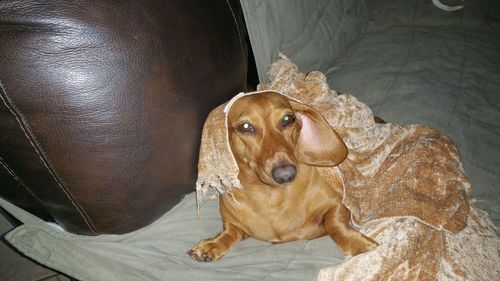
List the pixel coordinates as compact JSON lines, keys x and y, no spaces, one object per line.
{"x":279,"y":145}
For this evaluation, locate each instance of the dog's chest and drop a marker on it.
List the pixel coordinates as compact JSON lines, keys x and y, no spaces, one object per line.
{"x":289,"y":226}
{"x":281,"y":219}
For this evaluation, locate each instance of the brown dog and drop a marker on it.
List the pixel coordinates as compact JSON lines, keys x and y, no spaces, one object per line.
{"x":279,"y":145}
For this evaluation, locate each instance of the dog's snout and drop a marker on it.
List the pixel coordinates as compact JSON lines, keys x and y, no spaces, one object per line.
{"x":284,"y":174}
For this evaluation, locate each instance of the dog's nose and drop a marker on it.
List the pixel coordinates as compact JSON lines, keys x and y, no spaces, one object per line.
{"x":284,"y":174}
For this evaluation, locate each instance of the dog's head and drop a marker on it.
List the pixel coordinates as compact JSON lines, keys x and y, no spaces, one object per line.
{"x":271,"y":135}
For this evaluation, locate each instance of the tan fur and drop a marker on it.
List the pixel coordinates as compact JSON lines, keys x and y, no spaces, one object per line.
{"x":303,"y":208}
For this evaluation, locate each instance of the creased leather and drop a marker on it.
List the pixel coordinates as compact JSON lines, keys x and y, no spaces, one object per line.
{"x":107,"y":101}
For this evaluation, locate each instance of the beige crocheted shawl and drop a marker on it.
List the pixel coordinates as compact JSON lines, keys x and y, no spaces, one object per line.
{"x":405,"y":187}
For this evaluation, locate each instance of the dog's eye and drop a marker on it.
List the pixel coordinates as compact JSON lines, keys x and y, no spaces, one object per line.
{"x":246,"y":128}
{"x":287,"y":120}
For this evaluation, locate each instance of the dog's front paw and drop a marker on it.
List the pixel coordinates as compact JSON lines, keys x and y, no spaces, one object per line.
{"x":207,"y":250}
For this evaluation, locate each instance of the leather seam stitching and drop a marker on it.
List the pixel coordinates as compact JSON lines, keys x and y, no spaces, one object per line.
{"x":23,"y":124}
{"x":245,"y":68}
{"x":14,"y":176}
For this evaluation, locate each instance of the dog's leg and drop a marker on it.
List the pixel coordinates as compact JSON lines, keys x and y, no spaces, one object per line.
{"x":350,"y":241}
{"x":214,"y":248}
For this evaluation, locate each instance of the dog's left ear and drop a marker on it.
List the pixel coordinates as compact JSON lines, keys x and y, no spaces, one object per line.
{"x":318,"y":144}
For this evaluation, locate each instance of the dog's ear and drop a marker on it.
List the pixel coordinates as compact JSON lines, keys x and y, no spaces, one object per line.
{"x":318,"y":144}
